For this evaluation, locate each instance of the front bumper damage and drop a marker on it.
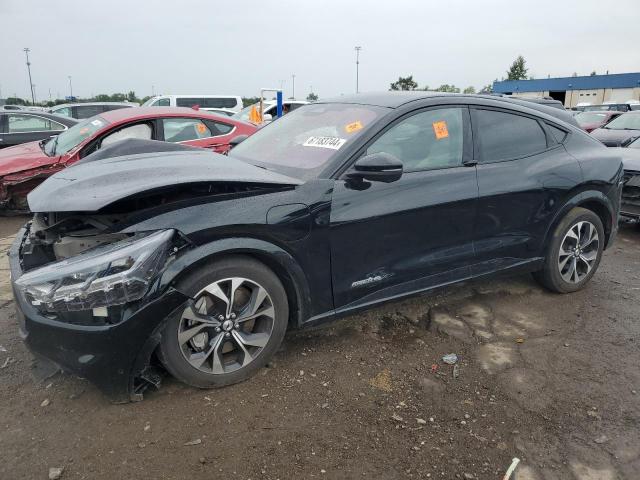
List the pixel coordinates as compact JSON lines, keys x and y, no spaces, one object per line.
{"x":15,"y":187}
{"x":115,"y":357}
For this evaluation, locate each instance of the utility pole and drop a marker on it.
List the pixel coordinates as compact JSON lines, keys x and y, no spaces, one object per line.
{"x":34,"y":93}
{"x":50,"y":95}
{"x":293,"y":86}
{"x":33,"y":97}
{"x":358,"y":69}
{"x":70,"y":87}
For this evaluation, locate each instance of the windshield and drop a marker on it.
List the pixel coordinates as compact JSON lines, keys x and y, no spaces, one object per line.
{"x":74,"y":136}
{"x":149,"y":102}
{"x":585,"y":118}
{"x":302,"y":143}
{"x":626,"y":121}
{"x":634,"y":144}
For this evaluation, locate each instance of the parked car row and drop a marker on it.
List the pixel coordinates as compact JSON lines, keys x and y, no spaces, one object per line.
{"x":21,"y":126}
{"x":24,"y":166}
{"x":199,"y":262}
{"x":86,"y":110}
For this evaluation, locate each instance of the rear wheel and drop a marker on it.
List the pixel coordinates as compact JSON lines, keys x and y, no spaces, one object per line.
{"x":231,"y":328}
{"x":573,"y":253}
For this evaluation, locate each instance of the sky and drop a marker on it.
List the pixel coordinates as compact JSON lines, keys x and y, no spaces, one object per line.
{"x":237,"y":47}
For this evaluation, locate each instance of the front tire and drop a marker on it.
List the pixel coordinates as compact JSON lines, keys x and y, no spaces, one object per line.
{"x":573,"y":253}
{"x":233,"y":326}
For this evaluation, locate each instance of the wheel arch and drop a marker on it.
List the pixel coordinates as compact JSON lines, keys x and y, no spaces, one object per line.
{"x":280,"y":261}
{"x":593,"y":200}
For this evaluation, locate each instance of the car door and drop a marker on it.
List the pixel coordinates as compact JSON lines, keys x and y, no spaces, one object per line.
{"x":204,"y":133}
{"x":524,"y":173}
{"x":388,"y":239}
{"x":27,"y":127}
{"x":143,"y":130}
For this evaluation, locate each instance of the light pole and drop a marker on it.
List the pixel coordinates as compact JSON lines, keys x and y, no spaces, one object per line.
{"x":34,"y":93}
{"x":33,"y":97}
{"x":293,"y":86}
{"x":358,"y":69}
{"x":70,"y":87}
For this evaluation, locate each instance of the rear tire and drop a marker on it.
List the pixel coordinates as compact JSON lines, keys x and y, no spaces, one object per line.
{"x":212,"y":342}
{"x":573,"y":253}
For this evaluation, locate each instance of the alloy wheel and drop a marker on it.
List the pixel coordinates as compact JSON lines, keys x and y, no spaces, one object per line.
{"x":578,"y":252}
{"x":227,"y":325}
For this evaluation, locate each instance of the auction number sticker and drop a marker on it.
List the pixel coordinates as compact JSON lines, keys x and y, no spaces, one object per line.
{"x":96,"y":123}
{"x":333,"y":143}
{"x":440,"y":129}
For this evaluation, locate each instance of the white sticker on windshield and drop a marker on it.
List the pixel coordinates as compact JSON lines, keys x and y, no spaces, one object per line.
{"x":333,"y":143}
{"x":97,"y":123}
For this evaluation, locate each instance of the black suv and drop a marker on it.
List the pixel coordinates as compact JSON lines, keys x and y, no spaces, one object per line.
{"x":206,"y":260}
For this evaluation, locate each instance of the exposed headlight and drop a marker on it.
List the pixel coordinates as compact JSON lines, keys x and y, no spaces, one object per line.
{"x":108,"y":275}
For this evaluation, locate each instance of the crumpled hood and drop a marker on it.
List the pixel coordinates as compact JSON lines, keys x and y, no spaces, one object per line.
{"x":614,"y":138}
{"x":23,"y":157}
{"x":630,"y":158}
{"x":88,"y":187}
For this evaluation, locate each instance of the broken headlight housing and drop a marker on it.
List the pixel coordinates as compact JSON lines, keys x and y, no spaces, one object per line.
{"x":108,"y":275}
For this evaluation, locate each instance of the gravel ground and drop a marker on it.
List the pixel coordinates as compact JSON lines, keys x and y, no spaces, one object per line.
{"x":550,"y":379}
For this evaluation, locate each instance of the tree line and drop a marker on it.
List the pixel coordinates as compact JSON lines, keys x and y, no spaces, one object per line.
{"x":517,"y":71}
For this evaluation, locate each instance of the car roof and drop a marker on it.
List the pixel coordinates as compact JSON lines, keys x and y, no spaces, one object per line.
{"x":198,"y":95}
{"x":68,"y":121}
{"x":79,"y":104}
{"x":396,"y":99}
{"x":124,"y":114}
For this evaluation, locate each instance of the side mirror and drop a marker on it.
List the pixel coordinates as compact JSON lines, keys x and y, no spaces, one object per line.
{"x":377,"y":167}
{"x":237,"y":139}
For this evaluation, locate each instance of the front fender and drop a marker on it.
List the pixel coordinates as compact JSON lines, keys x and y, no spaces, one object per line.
{"x":275,"y":257}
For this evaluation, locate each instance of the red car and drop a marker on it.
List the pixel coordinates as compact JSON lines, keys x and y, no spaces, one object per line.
{"x":590,"y":120}
{"x":25,"y":166}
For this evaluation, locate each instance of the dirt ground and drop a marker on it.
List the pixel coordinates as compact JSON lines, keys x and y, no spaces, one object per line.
{"x":550,"y":379}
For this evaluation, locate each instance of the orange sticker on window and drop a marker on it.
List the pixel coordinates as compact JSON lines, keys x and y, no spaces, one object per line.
{"x":440,"y":129}
{"x":354,"y":127}
{"x":201,"y":128}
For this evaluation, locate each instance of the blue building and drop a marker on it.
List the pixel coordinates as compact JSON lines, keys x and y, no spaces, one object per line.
{"x":572,"y":91}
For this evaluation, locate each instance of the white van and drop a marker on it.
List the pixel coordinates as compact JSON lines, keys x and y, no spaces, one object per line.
{"x":213,"y":103}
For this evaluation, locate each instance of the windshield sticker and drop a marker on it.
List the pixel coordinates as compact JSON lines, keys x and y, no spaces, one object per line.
{"x":440,"y":129}
{"x":354,"y":127}
{"x":97,"y":123}
{"x":201,"y":128}
{"x":333,"y":143}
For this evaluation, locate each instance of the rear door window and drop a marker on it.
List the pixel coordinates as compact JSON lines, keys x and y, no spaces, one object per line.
{"x":218,"y":128}
{"x":188,"y":102}
{"x":162,"y":102}
{"x":184,"y":129}
{"x":505,"y":136}
{"x":17,"y":123}
{"x":86,"y":111}
{"x":66,"y":111}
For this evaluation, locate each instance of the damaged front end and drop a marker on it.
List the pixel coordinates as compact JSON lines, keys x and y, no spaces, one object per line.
{"x":87,"y":271}
{"x":90,"y":297}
